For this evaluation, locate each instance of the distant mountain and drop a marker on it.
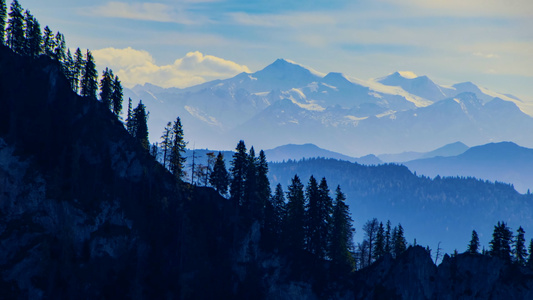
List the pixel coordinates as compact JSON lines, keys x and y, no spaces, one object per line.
{"x":452,"y":149}
{"x":298,"y":152}
{"x":286,"y":103}
{"x":504,"y":162}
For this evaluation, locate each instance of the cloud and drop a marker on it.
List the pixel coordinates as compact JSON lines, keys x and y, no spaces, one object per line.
{"x":157,"y":12}
{"x":138,"y":67}
{"x":485,"y":55}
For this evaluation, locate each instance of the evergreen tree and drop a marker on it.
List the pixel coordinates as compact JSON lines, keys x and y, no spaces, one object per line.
{"x":293,"y":224}
{"x":312,"y":217}
{"x":106,"y":87}
{"x":177,"y":151}
{"x":399,"y":242}
{"x":116,"y":97}
{"x":154,"y":150}
{"x":89,"y":79}
{"x":263,"y":184}
{"x":3,"y":19}
{"x":49,"y":43}
{"x":530,"y":257}
{"x":77,"y":69}
{"x":379,"y":244}
{"x":277,"y":205}
{"x":473,"y":246}
{"x":219,"y":178}
{"x":60,"y":47}
{"x":33,"y":35}
{"x":130,"y":122}
{"x":519,"y":250}
{"x":500,"y":245}
{"x":166,"y":139}
{"x":140,"y":117}
{"x":69,"y":71}
{"x":239,"y":167}
{"x":388,"y":238}
{"x":15,"y":28}
{"x":250,"y":184}
{"x":341,"y":247}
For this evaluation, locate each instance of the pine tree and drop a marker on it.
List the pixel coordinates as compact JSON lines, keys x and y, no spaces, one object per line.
{"x":3,"y":19}
{"x":379,"y":244}
{"x":312,"y":217}
{"x":140,"y":117}
{"x":177,"y":158}
{"x":530,"y":257}
{"x":399,"y":242}
{"x":77,"y":70}
{"x":15,"y":28}
{"x":239,"y":167}
{"x":473,"y":246}
{"x":250,"y":184}
{"x":166,"y":139}
{"x":33,"y":35}
{"x":262,"y":182}
{"x":70,"y":65}
{"x":116,"y":97}
{"x":130,"y":122}
{"x":49,"y":42}
{"x":293,"y":224}
{"x":277,"y":203}
{"x":60,"y":47}
{"x":106,"y":87}
{"x":388,"y":238}
{"x":341,"y":247}
{"x":154,"y":150}
{"x":500,"y":245}
{"x":519,"y":250}
{"x":89,"y":79}
{"x":219,"y":178}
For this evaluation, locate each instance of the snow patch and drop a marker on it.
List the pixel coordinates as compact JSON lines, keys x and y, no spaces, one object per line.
{"x":407,"y":74}
{"x":195,"y":112}
{"x":313,"y":71}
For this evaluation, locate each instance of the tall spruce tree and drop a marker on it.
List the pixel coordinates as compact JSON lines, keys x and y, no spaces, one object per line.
{"x":166,"y":141}
{"x":262,"y":182}
{"x":130,"y":122}
{"x":70,"y":71}
{"x":341,"y":246}
{"x":177,"y":150}
{"x":33,"y":35}
{"x":60,"y":50}
{"x":275,"y":212}
{"x":140,"y":117}
{"x":3,"y":20}
{"x":473,"y":246}
{"x":520,"y":252}
{"x":371,"y":229}
{"x":79,"y":63}
{"x":379,"y":244}
{"x":399,"y":242}
{"x":219,"y":178}
{"x":239,"y":167}
{"x":116,"y":97}
{"x":293,"y":224}
{"x":530,"y":257}
{"x":312,"y":219}
{"x":15,"y":28}
{"x":89,"y":78}
{"x":106,"y":87}
{"x":49,"y":42}
{"x":388,"y":238}
{"x":500,"y":245}
{"x":250,"y":201}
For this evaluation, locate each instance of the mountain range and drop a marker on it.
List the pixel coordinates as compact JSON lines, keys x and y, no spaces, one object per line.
{"x":286,"y":103}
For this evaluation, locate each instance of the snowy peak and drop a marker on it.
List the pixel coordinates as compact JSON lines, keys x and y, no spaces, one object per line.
{"x":420,"y":86}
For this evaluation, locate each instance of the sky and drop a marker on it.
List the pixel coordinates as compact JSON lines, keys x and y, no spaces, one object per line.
{"x":187,"y":42}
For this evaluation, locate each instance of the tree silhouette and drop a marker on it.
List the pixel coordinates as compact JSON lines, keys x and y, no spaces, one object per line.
{"x":219,"y":178}
{"x":33,"y":35}
{"x":473,"y":246}
{"x":3,"y":19}
{"x":177,"y":150}
{"x":89,"y":84}
{"x":500,"y":245}
{"x":239,"y":168}
{"x":15,"y":28}
{"x":293,"y":225}
{"x":520,"y":252}
{"x":116,"y":97}
{"x":106,"y":87}
{"x":341,"y":247}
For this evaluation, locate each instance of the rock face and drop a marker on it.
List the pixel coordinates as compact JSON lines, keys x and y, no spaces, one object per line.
{"x":466,"y":276}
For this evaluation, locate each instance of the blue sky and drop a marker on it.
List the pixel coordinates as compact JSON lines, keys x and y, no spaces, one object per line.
{"x":488,"y":42}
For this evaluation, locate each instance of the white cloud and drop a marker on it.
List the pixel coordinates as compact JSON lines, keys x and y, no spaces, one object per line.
{"x":138,"y":67}
{"x":485,"y":55}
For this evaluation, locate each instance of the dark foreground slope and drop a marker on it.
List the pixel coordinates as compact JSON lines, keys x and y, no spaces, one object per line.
{"x":85,"y":213}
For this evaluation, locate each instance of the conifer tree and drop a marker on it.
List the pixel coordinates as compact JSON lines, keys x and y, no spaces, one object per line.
{"x":69,"y":71}
{"x":3,"y":20}
{"x":371,"y":229}
{"x":276,"y":211}
{"x":312,"y":217}
{"x":239,"y":167}
{"x":106,"y":87}
{"x":130,"y":122}
{"x":166,"y":139}
{"x":49,"y":42}
{"x":341,"y":247}
{"x":15,"y":28}
{"x":219,"y":178}
{"x":33,"y":35}
{"x":140,"y":130}
{"x":388,"y":238}
{"x":263,"y":184}
{"x":89,"y":79}
{"x":293,"y":224}
{"x":250,"y":184}
{"x":473,"y":246}
{"x":530,"y":257}
{"x":116,"y":97}
{"x":154,"y":150}
{"x":79,"y":63}
{"x":379,"y":244}
{"x":177,"y":150}
{"x":60,"y":47}
{"x":519,"y":250}
{"x":399,"y":242}
{"x":500,"y":245}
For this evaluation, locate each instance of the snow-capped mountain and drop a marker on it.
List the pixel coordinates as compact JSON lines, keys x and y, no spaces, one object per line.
{"x":288,"y":103}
